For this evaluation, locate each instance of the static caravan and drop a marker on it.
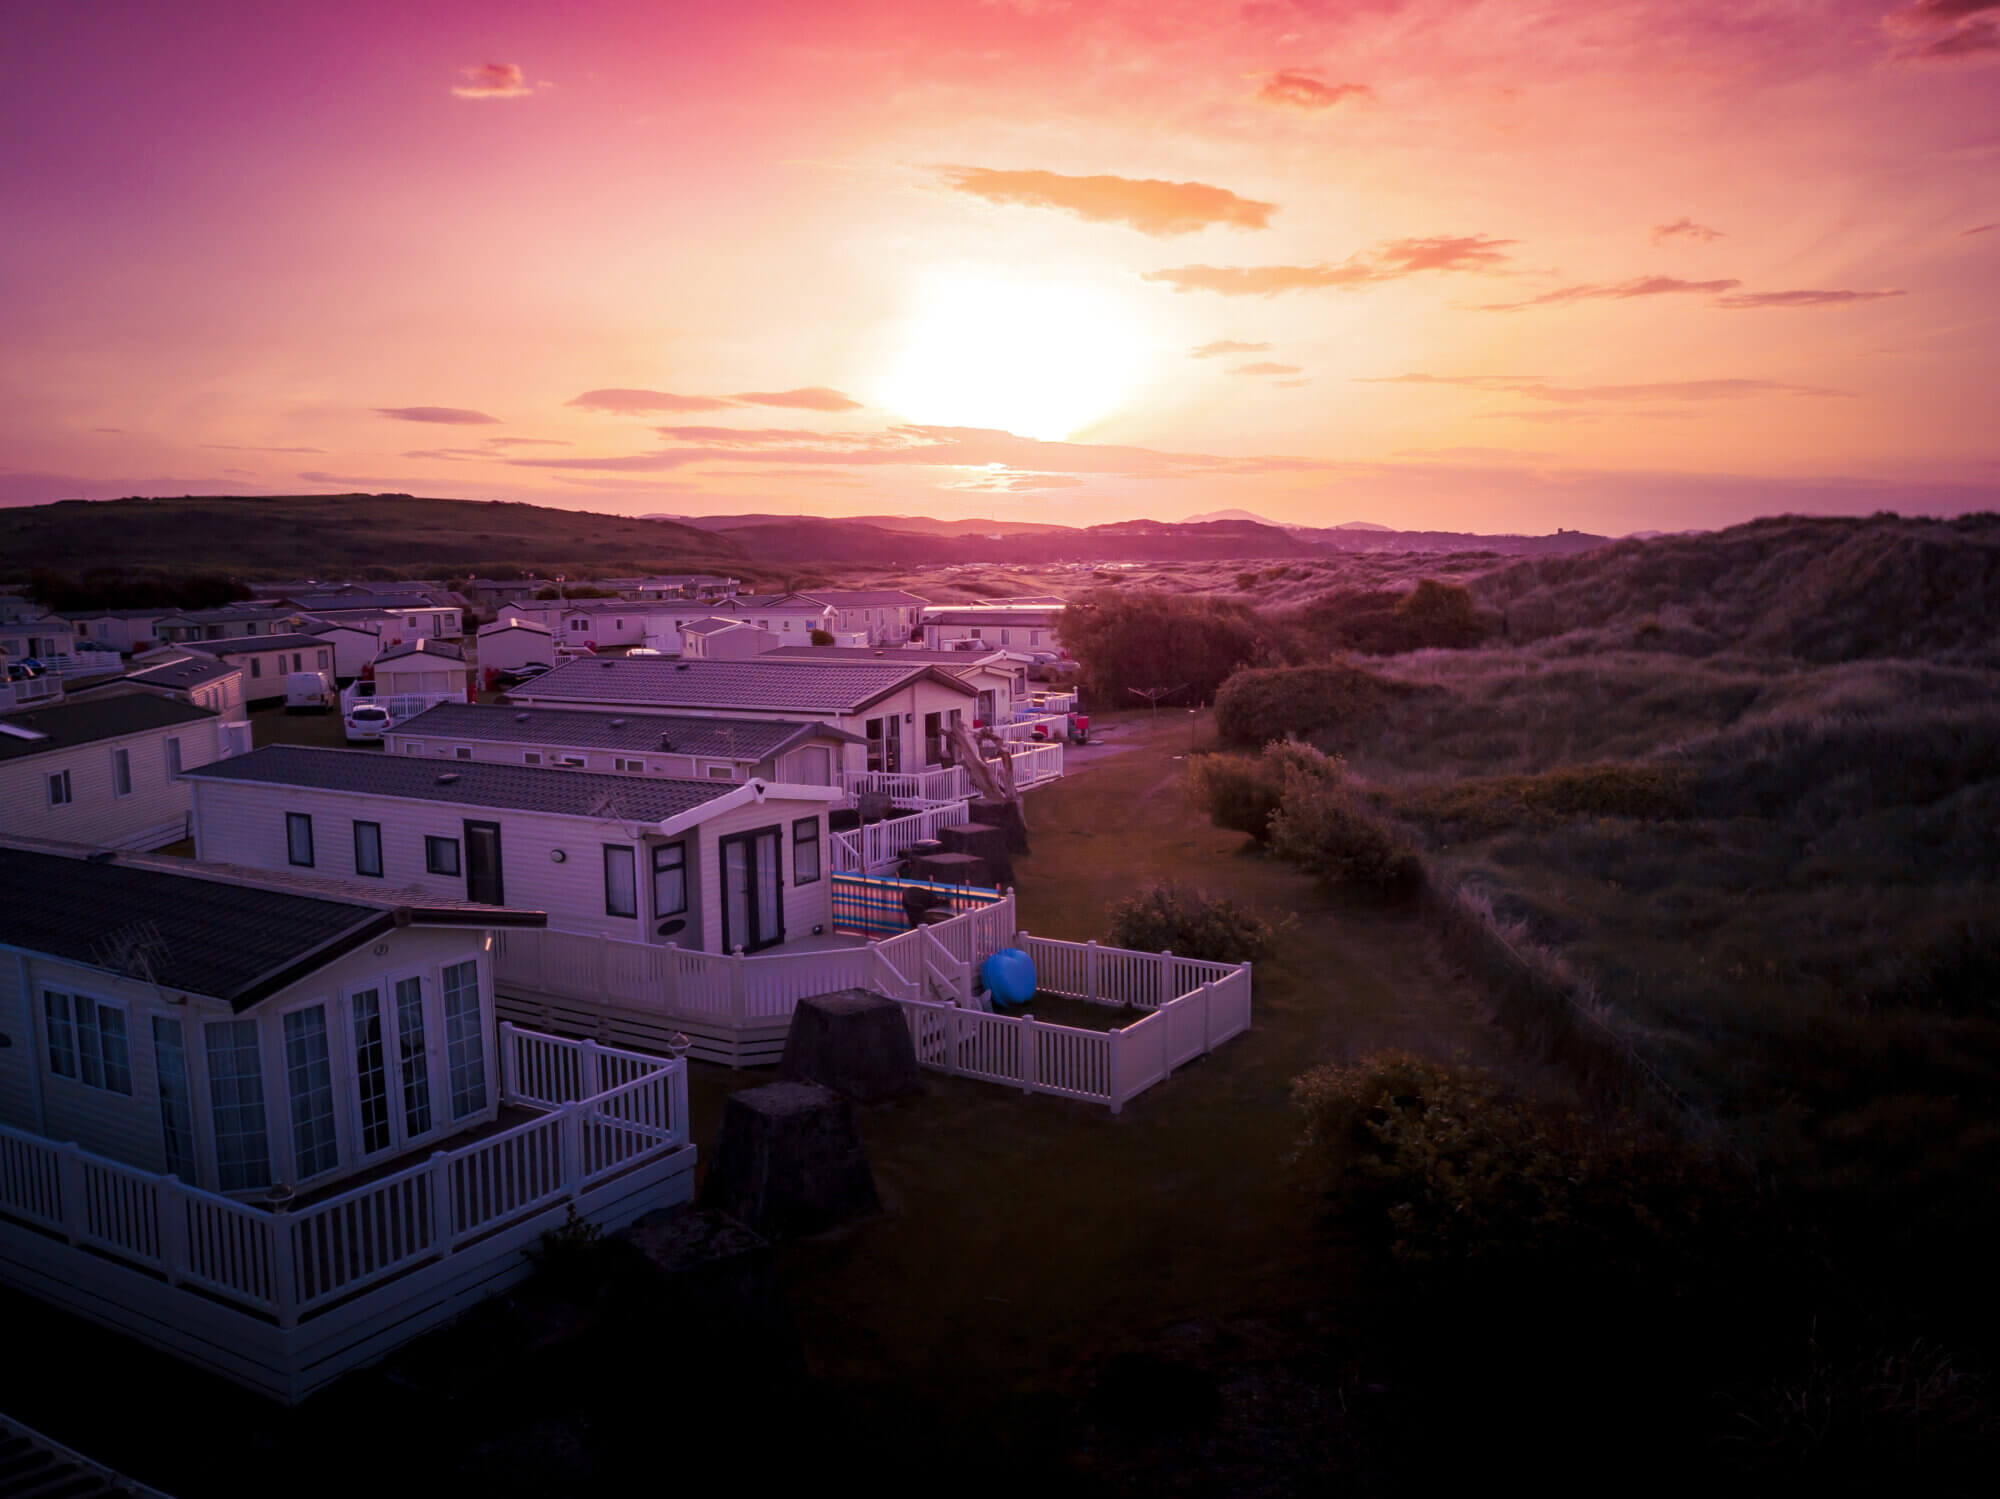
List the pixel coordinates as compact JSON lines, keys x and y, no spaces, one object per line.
{"x":998,"y":678}
{"x":900,"y":711}
{"x":508,"y":645}
{"x":355,"y":645}
{"x":1034,"y":627}
{"x":715,"y":639}
{"x":124,"y":630}
{"x":232,"y":622}
{"x":268,"y":659}
{"x":106,"y":770}
{"x":201,"y":680}
{"x":790,"y":616}
{"x":656,"y":744}
{"x":422,"y":668}
{"x":880,"y":616}
{"x":707,"y":865}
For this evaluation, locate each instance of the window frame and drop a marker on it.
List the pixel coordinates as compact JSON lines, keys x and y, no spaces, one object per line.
{"x":435,"y":843}
{"x":292,"y":822}
{"x":809,"y":825}
{"x":359,"y":868}
{"x":60,"y":778}
{"x":173,"y":754}
{"x":678,"y":865}
{"x":632,"y":872}
{"x":121,"y":772}
{"x":335,"y":1098}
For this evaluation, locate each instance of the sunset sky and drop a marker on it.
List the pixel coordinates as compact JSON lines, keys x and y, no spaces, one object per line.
{"x":1475,"y":266}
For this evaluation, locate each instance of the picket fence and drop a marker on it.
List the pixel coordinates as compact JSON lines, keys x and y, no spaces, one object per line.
{"x":284,"y":1301}
{"x":876,"y":846}
{"x":1035,"y":763}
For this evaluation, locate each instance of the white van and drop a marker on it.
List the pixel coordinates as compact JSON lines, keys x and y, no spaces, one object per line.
{"x":309,"y":692}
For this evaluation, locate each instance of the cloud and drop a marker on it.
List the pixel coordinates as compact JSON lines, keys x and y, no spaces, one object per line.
{"x":444,"y":416}
{"x":1536,"y":388}
{"x":1978,"y":229}
{"x":1226,"y":346}
{"x":1563,"y":414}
{"x":1803,"y":298}
{"x":1292,"y":88}
{"x":112,"y":429}
{"x":1978,"y":35}
{"x":226,"y":447}
{"x":1265,"y":367}
{"x":1642,"y":286}
{"x":1944,"y":12}
{"x":626,"y":401}
{"x":810,"y":398}
{"x":1389,"y":261}
{"x":1147,"y":204}
{"x":1290,"y":384}
{"x":528,"y":442}
{"x":941,"y":447}
{"x":492,"y":80}
{"x":1686,"y":228}
{"x":449,"y":455}
{"x":1475,"y":454}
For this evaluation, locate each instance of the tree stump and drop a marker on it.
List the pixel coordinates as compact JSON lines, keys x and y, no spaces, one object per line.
{"x":1005,"y":815}
{"x":788,"y":1161}
{"x":853,"y":1042}
{"x":987,"y":844}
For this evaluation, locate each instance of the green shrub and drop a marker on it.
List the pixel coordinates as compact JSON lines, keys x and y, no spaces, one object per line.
{"x":1322,"y":826}
{"x":1442,"y":1166}
{"x":1242,"y":792}
{"x":1259,"y":705}
{"x":822,"y":637}
{"x":1478,"y":806}
{"x":1440,"y":616}
{"x":1190,"y":923}
{"x":1145,"y":639}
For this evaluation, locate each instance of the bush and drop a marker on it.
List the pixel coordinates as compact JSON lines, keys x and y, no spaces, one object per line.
{"x":1383,"y":622}
{"x":1190,"y":923}
{"x":1143,"y":639}
{"x":1482,"y":805}
{"x":1321,"y":826}
{"x":822,"y":637}
{"x":1242,"y":792}
{"x":1447,"y":1168}
{"x":1257,"y":706}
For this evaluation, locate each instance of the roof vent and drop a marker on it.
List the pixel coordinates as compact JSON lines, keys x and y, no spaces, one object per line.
{"x":447,"y":778}
{"x":520,"y":718}
{"x":605,"y":664}
{"x":666,"y":741}
{"x":680,"y":666}
{"x":617,"y":723}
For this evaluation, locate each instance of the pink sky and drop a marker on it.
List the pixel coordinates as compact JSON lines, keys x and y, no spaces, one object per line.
{"x":1480,"y":266}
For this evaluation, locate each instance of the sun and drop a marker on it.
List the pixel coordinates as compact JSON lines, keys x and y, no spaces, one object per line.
{"x":1038,"y":359}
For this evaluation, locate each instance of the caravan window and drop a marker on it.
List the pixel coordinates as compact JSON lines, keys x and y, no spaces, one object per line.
{"x":236,"y":1100}
{"x":670,"y":895}
{"x":441,"y":855}
{"x":621,"y":880}
{"x":368,"y":848}
{"x":87,"y":1041}
{"x":805,"y":851}
{"x":299,"y":838}
{"x":309,"y":1085}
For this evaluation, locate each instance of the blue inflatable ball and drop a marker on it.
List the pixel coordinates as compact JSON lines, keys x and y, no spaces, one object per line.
{"x":1010,"y":976}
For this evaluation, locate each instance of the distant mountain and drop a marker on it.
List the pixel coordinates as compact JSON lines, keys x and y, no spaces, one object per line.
{"x":1251,"y":516}
{"x":1362,"y":525}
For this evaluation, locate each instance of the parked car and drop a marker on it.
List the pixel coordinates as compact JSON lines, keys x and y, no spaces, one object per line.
{"x":366,"y":723}
{"x":97,"y":645}
{"x":519,"y":674}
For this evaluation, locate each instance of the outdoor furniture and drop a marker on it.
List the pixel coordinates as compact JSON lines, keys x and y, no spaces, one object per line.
{"x":853,"y":1041}
{"x":950,"y":869}
{"x":983,"y":841}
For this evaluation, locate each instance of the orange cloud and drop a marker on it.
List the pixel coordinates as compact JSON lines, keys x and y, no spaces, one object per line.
{"x":1803,"y":298}
{"x":1226,"y":346}
{"x":1293,"y":88}
{"x":810,"y":398}
{"x":493,"y":80}
{"x":1667,"y":390}
{"x":1388,"y":262}
{"x":1686,"y":228}
{"x":1643,"y":286}
{"x":1265,"y":367}
{"x":1149,"y":205}
{"x":627,"y":401}
{"x":447,"y":416}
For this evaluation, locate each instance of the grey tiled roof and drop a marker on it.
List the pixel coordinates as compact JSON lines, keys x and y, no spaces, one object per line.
{"x":469,"y":783}
{"x":866,"y":598}
{"x":852,"y":655}
{"x":88,"y":720}
{"x":443,"y":649}
{"x":241,"y":645}
{"x":201,"y":932}
{"x":189,"y":671}
{"x":1035,"y":617}
{"x":742,"y":739}
{"x":513,"y":624}
{"x":759,"y":685}
{"x":711,"y":625}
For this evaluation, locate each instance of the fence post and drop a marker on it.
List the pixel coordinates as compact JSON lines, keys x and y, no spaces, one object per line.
{"x":173,"y":1229}
{"x":571,"y":1131}
{"x":510,"y":1062}
{"x":593,"y":1070}
{"x":736,"y":1006}
{"x":439,"y":1181}
{"x":1207,"y":993}
{"x":284,"y":1268}
{"x":1166,"y":978}
{"x":1090,"y":969}
{"x":1028,"y":1057}
{"x":672,"y":970}
{"x":69,"y":1178}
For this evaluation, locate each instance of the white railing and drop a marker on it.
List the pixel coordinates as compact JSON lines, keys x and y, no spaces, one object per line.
{"x":876,"y":846}
{"x":1115,"y":975}
{"x":1052,"y":726}
{"x":42,"y":689}
{"x":941,"y":784}
{"x":1107,"y":1067}
{"x":287,"y":1265}
{"x":400,"y":706}
{"x":1035,"y":763}
{"x":1052,"y":702}
{"x":741,"y":990}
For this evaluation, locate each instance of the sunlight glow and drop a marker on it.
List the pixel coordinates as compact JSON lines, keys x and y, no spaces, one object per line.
{"x":1039,"y":359}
